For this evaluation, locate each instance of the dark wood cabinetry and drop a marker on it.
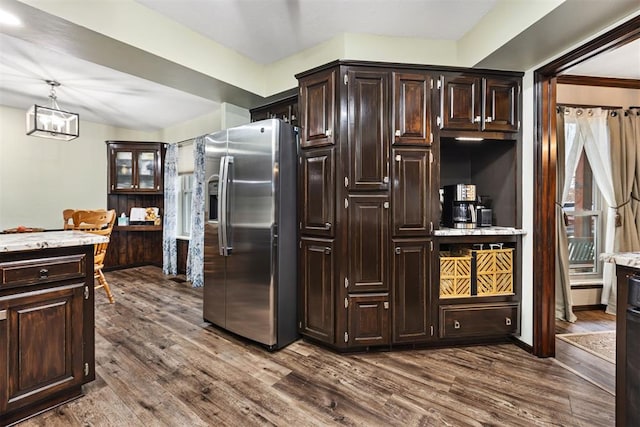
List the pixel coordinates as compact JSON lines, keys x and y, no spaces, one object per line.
{"x":46,"y":329}
{"x":285,"y":109}
{"x":368,"y":180}
{"x":479,"y":103}
{"x":135,"y":245}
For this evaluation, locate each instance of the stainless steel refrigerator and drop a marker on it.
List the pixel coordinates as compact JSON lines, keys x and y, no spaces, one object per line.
{"x":250,"y":232}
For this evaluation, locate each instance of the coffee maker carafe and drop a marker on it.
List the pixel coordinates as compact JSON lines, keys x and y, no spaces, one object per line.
{"x":459,"y":206}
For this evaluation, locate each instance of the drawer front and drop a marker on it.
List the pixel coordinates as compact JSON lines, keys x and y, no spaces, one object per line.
{"x":42,"y":270}
{"x":478,"y":320}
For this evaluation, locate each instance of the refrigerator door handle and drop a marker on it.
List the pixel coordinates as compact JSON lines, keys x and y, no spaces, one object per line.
{"x":228,"y":181}
{"x":222,"y":207}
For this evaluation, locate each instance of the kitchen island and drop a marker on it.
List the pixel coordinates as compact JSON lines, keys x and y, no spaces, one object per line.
{"x":46,"y":320}
{"x":627,"y":341}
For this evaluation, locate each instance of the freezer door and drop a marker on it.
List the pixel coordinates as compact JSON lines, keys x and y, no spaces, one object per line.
{"x":214,"y":294}
{"x":250,"y":275}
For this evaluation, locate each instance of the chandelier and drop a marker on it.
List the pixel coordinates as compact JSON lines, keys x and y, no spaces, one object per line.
{"x":51,"y":121}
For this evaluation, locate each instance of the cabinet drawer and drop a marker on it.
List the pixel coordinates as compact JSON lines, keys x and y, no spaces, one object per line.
{"x":478,"y":320}
{"x":42,"y":270}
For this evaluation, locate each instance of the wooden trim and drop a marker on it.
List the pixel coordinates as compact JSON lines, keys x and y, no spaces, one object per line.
{"x":589,"y":307}
{"x":598,"y":81}
{"x":588,"y":286}
{"x":523,"y":345}
{"x":545,"y":177}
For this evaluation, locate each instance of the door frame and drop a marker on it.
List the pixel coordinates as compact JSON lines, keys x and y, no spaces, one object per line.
{"x":545,"y":143}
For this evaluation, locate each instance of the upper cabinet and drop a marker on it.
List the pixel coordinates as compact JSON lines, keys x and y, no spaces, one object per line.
{"x":412,"y":108}
{"x":317,"y":106}
{"x":285,"y":109}
{"x":479,"y":103}
{"x":135,"y":167}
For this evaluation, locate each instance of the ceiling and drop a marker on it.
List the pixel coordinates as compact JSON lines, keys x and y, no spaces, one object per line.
{"x":264,"y":31}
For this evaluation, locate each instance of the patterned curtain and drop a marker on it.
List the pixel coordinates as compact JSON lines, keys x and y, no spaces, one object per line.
{"x":170,"y":219}
{"x":195,"y":256}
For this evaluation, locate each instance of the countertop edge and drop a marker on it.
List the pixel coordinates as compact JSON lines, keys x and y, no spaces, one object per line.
{"x":627,"y":259}
{"x":43,"y":240}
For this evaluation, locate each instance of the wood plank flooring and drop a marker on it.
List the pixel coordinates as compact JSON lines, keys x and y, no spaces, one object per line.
{"x":159,"y":364}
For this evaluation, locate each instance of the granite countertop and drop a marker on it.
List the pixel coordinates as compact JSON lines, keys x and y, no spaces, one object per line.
{"x":628,"y":259}
{"x":50,"y":239}
{"x":480,"y":231}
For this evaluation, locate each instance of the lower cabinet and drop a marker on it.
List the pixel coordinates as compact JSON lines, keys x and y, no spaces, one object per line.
{"x":317,"y":299}
{"x":368,"y":316}
{"x":411,"y":303}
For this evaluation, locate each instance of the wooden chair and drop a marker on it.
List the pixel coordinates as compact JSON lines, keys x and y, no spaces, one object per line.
{"x":97,"y":222}
{"x":67,"y":216}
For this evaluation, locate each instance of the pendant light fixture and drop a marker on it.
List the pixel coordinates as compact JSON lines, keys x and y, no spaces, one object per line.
{"x":51,"y":121}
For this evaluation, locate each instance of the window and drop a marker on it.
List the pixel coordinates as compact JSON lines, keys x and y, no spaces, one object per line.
{"x":184,"y":204}
{"x":584,"y":224}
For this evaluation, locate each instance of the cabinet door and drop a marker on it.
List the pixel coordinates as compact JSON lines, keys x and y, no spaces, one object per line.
{"x":43,"y":355}
{"x":367,"y":237}
{"x":411,"y":192}
{"x":317,"y":102}
{"x":412,"y":109}
{"x":318,"y":192}
{"x":147,"y":171}
{"x":411,"y":273}
{"x":368,"y":320}
{"x":122,"y":162}
{"x":460,"y":102}
{"x":501,"y":104}
{"x":317,"y":296}
{"x":368,"y":145}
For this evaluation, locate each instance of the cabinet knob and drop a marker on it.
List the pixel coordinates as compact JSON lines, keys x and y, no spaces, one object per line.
{"x":327,"y":132}
{"x":327,"y":251}
{"x":507,"y":321}
{"x":488,"y":119}
{"x":398,"y":250}
{"x":398,"y":157}
{"x":385,"y":205}
{"x":44,"y":273}
{"x":476,"y":119}
{"x":386,"y":305}
{"x":385,"y":179}
{"x":456,"y":324}
{"x":327,"y":225}
{"x":398,"y":133}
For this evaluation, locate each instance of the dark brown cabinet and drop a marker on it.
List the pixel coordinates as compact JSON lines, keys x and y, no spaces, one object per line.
{"x":46,"y":329}
{"x":479,"y":320}
{"x":478,"y":103}
{"x":368,"y":320}
{"x":317,"y":299}
{"x":135,"y":245}
{"x":412,"y":106}
{"x":285,"y":110}
{"x":368,"y":130}
{"x":370,"y":154}
{"x":368,"y":232}
{"x":317,"y":107}
{"x":317,"y":181}
{"x":135,"y":168}
{"x":411,"y":195}
{"x":411,"y":299}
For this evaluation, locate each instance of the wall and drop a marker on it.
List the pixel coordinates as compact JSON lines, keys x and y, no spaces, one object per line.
{"x":597,"y":95}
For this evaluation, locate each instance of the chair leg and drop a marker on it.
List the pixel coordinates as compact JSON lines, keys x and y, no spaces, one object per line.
{"x":104,"y":284}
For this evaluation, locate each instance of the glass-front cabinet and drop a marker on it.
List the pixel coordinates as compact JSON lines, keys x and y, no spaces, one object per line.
{"x":135,"y":167}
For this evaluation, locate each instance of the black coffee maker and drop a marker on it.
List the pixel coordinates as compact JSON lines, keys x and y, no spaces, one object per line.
{"x":459,"y":206}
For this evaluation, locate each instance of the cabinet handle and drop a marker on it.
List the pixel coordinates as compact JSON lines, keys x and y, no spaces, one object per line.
{"x":476,"y":119}
{"x":385,"y":205}
{"x":398,"y":133}
{"x":385,"y":179}
{"x":488,"y":119}
{"x":507,"y":321}
{"x":327,"y":132}
{"x":398,"y":158}
{"x":327,"y":251}
{"x":386,"y":305}
{"x":456,"y":324}
{"x":44,"y":273}
{"x":398,"y":250}
{"x":3,"y":314}
{"x":327,"y":225}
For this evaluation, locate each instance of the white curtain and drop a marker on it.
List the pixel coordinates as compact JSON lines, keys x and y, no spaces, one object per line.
{"x":195,"y":255}
{"x":588,"y":131}
{"x":170,"y":218}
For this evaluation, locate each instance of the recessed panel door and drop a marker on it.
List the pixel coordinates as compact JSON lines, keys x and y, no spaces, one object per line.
{"x":501,"y":104}
{"x":318,"y":192}
{"x":412,"y":108}
{"x":317,"y":107}
{"x":317,"y":285}
{"x":460,"y":102}
{"x":411,"y":192}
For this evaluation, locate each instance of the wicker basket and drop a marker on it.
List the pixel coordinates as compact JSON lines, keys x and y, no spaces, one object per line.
{"x":455,"y":276}
{"x":492,"y":271}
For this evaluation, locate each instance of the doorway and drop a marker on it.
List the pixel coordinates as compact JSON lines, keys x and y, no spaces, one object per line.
{"x":545,"y":140}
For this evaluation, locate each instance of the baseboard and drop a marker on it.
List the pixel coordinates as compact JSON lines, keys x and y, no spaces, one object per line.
{"x":587,"y":286}
{"x":523,"y":345}
{"x":589,"y":307}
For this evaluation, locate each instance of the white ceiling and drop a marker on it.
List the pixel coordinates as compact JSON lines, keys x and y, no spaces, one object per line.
{"x":264,"y":31}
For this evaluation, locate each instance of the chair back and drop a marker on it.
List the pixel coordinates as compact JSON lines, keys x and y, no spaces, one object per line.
{"x":99,"y":222}
{"x":67,"y":216}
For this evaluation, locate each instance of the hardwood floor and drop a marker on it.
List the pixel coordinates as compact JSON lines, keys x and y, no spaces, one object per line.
{"x":592,"y":368}
{"x":159,"y":364}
